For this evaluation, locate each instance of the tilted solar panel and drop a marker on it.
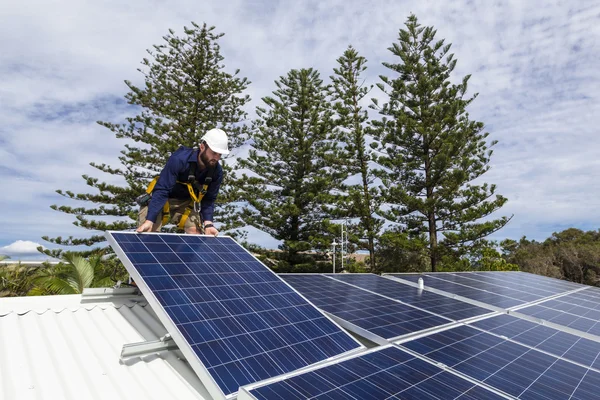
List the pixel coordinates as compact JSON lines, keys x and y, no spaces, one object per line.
{"x":385,"y":373}
{"x":386,"y":319}
{"x":234,"y":319}
{"x":432,"y":302}
{"x":512,"y":368}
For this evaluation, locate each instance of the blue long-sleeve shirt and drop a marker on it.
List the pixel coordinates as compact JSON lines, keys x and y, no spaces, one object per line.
{"x":178,"y":169}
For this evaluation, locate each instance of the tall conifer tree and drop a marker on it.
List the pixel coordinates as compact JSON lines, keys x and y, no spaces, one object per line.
{"x":433,"y":150}
{"x":360,"y":199}
{"x":290,"y":165}
{"x":186,"y":92}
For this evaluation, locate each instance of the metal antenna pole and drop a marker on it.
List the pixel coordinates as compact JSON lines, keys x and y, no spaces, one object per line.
{"x":342,"y":244}
{"x":334,"y":244}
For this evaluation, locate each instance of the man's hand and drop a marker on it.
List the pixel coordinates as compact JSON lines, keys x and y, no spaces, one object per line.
{"x":209,"y":229}
{"x":145,"y":227}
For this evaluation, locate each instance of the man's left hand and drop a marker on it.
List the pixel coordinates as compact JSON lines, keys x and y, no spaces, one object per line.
{"x":209,"y":229}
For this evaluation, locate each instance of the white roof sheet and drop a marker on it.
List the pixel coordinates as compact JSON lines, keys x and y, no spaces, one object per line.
{"x":68,"y":347}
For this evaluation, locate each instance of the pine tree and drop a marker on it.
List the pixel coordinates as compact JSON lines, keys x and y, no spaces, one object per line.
{"x":186,"y":92}
{"x":290,"y":175}
{"x":433,"y":151}
{"x":353,"y":155}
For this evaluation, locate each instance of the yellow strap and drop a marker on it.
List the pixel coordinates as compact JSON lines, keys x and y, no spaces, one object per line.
{"x":184,"y":218}
{"x":198,"y":198}
{"x":166,"y":215}
{"x":150,"y":187}
{"x":188,"y":210}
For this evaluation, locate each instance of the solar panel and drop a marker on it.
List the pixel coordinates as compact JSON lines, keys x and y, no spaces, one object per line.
{"x":234,"y":319}
{"x":386,"y":319}
{"x":564,"y":311}
{"x":583,"y":303}
{"x":556,"y":342}
{"x":432,"y":302}
{"x":512,"y":368}
{"x":523,"y":281}
{"x":386,"y":373}
{"x":591,"y":293}
{"x":484,"y":292}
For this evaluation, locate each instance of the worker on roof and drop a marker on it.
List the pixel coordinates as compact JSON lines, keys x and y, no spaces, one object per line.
{"x":185,"y":191}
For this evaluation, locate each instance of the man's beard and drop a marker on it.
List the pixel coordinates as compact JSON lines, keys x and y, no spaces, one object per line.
{"x":206,"y":161}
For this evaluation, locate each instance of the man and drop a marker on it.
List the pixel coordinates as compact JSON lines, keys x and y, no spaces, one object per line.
{"x":174,"y":185}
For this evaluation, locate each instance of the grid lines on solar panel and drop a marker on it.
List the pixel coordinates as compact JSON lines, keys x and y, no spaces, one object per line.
{"x":485,"y":292}
{"x":537,"y":284}
{"x":577,"y":311}
{"x":383,"y":317}
{"x":554,"y":341}
{"x":388,"y":373}
{"x":515,"y":369}
{"x":242,"y":321}
{"x":432,"y":302}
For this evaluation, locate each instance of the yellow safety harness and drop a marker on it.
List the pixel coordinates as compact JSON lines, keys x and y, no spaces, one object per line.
{"x":196,"y":193}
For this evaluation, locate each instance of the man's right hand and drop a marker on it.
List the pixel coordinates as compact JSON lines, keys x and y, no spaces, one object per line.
{"x":145,"y":227}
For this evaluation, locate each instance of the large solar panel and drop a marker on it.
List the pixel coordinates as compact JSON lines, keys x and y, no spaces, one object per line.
{"x":386,"y":373}
{"x":425,"y":300}
{"x":512,"y":368}
{"x":234,"y":319}
{"x":491,"y":291}
{"x":562,"y":344}
{"x":386,"y":319}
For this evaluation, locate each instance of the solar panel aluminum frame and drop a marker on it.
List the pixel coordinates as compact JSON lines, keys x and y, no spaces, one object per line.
{"x":245,"y":391}
{"x":207,"y":380}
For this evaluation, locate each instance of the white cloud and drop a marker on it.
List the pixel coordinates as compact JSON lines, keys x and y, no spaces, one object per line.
{"x":534,"y":65}
{"x":20,"y":248}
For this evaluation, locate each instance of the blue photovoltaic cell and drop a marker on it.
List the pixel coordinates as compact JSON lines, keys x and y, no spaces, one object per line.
{"x":383,"y":317}
{"x":432,"y":302}
{"x":561,"y":344}
{"x":564,"y":311}
{"x":242,"y":321}
{"x":492,"y":293}
{"x":518,"y":370}
{"x":389,"y":373}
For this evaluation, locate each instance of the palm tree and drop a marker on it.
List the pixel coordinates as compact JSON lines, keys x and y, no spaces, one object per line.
{"x":72,"y":276}
{"x":16,"y":279}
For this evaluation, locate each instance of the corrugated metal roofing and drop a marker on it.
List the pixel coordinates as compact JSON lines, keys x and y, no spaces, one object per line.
{"x":58,"y":347}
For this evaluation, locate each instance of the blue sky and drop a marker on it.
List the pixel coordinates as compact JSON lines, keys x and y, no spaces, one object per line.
{"x":533,"y":63}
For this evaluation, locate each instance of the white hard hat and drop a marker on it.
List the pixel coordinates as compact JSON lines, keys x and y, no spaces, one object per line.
{"x":216,"y":139}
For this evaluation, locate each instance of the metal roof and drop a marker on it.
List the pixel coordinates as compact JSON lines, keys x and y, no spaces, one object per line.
{"x":63,"y":347}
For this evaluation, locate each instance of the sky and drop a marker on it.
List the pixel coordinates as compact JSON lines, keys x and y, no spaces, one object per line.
{"x":534,"y":64}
